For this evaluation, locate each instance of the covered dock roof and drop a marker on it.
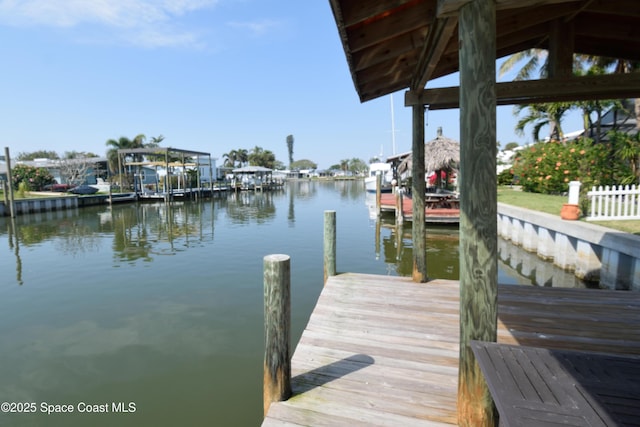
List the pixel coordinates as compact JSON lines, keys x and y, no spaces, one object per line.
{"x":393,"y":45}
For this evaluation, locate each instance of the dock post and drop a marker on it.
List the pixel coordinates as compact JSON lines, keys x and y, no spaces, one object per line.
{"x":329,"y":244}
{"x":378,"y":194}
{"x":277,"y":320}
{"x":12,"y":203}
{"x":399,"y":208}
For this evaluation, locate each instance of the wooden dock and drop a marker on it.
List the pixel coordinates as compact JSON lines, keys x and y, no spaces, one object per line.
{"x":432,"y":212}
{"x":383,"y":350}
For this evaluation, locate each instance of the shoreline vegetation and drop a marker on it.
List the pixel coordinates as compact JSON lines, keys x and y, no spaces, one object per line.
{"x":550,"y":204}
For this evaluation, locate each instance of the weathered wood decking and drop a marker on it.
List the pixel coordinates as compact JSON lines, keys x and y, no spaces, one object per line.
{"x":383,"y":350}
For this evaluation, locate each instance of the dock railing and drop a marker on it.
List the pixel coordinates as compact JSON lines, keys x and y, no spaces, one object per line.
{"x":614,"y":203}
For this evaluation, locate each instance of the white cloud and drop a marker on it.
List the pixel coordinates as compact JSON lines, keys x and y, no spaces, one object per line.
{"x":139,"y":17}
{"x":257,"y":28}
{"x":152,"y":38}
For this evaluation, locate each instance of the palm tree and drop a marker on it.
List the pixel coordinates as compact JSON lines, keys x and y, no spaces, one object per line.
{"x":261,"y":157}
{"x":290,"y":149}
{"x":540,"y":115}
{"x":230,"y":158}
{"x":357,"y":166}
{"x":596,"y":65}
{"x":121,"y":144}
{"x":600,"y":64}
{"x":112,"y":154}
{"x":242,"y":156}
{"x":155,"y":141}
{"x":532,"y":58}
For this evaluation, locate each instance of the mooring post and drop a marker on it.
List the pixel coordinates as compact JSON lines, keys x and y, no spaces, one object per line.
{"x":12,"y":205}
{"x":329,"y":244}
{"x":5,"y":191}
{"x":399,"y":208}
{"x":277,"y":320}
{"x":378,"y":194}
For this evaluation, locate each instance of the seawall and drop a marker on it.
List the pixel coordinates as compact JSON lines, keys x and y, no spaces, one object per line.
{"x":591,"y":252}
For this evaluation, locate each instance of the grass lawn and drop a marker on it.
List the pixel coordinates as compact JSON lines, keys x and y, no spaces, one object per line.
{"x":553,"y":204}
{"x":34,"y":195}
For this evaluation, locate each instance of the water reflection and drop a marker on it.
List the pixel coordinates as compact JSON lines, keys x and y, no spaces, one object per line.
{"x":441,"y":243}
{"x":527,"y":267}
{"x":244,"y":207}
{"x":393,"y":243}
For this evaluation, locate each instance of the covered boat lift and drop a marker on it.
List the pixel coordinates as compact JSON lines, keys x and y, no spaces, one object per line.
{"x":393,"y":45}
{"x":168,"y":156}
{"x":253,"y":178}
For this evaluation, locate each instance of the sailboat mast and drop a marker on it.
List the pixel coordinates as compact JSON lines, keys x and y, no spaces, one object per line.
{"x":393,"y":129}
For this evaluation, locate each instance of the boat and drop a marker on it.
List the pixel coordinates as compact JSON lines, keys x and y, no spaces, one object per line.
{"x":375,"y":169}
{"x":122,"y":197}
{"x":382,"y":168}
{"x":83,"y":190}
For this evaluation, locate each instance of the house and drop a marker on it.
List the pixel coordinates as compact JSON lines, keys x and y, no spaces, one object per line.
{"x":71,"y":171}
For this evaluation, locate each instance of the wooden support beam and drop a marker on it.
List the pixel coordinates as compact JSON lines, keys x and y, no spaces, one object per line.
{"x":478,"y":206}
{"x":618,"y":86}
{"x":561,"y":49}
{"x":418,"y":189}
{"x":439,"y":35}
{"x":449,"y":7}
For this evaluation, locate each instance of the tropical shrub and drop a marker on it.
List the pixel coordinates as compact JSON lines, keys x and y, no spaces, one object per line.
{"x":506,"y":177}
{"x":627,"y":149}
{"x":549,"y":167}
{"x":34,"y":178}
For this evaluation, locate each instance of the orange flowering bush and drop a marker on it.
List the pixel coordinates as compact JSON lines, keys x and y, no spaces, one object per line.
{"x":549,"y":167}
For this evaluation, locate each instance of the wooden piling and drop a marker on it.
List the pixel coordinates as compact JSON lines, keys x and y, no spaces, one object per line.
{"x":277,"y":321}
{"x":329,"y":244}
{"x":378,"y":193}
{"x":12,"y":205}
{"x":399,"y":208}
{"x":5,"y":192}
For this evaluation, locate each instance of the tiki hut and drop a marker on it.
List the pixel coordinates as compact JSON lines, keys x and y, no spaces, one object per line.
{"x":441,"y":156}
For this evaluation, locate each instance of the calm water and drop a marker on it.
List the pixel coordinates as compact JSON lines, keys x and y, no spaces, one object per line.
{"x":158,"y":309}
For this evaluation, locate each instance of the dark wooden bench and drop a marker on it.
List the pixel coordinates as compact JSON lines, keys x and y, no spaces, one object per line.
{"x":534,"y":386}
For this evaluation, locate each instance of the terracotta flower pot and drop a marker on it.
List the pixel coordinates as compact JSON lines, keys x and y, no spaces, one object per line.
{"x":570,"y":212}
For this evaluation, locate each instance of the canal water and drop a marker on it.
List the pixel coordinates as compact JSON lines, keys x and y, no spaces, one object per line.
{"x":152,"y":314}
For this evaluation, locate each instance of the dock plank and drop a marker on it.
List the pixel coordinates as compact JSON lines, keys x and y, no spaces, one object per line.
{"x":362,"y":356}
{"x":383,"y":350}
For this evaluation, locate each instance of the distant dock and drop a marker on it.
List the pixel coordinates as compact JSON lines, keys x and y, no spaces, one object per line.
{"x":435,"y":210}
{"x":383,"y":350}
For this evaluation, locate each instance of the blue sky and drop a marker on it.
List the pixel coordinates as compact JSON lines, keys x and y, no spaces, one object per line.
{"x":208,"y":75}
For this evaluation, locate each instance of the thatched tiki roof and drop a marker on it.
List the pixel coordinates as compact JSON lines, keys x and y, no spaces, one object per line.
{"x":441,"y":153}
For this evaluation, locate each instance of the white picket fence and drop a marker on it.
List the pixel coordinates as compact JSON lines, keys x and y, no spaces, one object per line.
{"x":614,"y":203}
